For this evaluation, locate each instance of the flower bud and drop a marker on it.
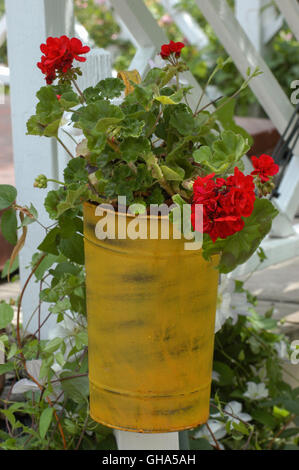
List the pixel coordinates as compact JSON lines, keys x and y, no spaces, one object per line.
{"x":41,"y":182}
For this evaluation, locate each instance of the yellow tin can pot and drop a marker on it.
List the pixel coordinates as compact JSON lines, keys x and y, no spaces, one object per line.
{"x":151,"y":312}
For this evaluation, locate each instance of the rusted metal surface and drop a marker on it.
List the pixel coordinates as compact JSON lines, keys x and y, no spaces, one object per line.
{"x":151,"y":313}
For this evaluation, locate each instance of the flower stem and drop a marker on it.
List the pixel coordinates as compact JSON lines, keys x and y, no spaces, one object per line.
{"x":65,"y":147}
{"x":78,"y":90}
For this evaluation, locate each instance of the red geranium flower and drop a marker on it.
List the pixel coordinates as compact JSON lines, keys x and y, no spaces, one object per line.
{"x":224,"y":203}
{"x":171,"y":48}
{"x":59,"y":55}
{"x":264,"y":167}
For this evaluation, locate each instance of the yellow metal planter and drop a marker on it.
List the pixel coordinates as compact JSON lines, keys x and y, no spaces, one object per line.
{"x":151,"y":312}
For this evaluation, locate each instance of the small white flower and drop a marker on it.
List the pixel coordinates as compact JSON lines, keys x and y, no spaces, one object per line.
{"x":256,"y":391}
{"x":68,"y":327}
{"x":25,"y":385}
{"x":230,"y":304}
{"x":215,"y":376}
{"x":217,"y":428}
{"x":235,"y":409}
{"x":282,"y":349}
{"x":260,"y":373}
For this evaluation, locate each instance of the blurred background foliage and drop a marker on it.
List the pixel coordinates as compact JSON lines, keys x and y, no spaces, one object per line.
{"x":281,"y":53}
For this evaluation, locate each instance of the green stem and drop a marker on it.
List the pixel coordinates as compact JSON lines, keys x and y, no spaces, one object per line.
{"x":65,"y":147}
{"x":70,"y":136}
{"x":79,"y":91}
{"x":55,"y":181}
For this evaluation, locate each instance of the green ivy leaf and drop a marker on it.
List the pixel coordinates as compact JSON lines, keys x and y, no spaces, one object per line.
{"x":50,"y":242}
{"x":8,"y":196}
{"x":6,"y":315}
{"x":73,"y":248}
{"x":4,"y":368}
{"x":45,"y":421}
{"x":77,"y":388}
{"x":53,"y":345}
{"x":9,"y":226}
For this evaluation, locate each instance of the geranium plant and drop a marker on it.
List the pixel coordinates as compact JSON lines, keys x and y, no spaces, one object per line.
{"x":153,"y":148}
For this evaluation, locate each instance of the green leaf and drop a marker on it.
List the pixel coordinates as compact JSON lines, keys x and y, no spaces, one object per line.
{"x":200,"y":444}
{"x":77,"y":388}
{"x":46,"y":263}
{"x":172,"y":174}
{"x":4,"y":368}
{"x":226,"y":373}
{"x":165,"y":100}
{"x":182,"y":120}
{"x":133,"y":148}
{"x":9,"y":226}
{"x":98,"y":117}
{"x":48,"y":115}
{"x":76,"y":172}
{"x":50,"y":242}
{"x":14,"y":267}
{"x":264,"y":417}
{"x":8,"y":196}
{"x":259,"y":322}
{"x":45,"y":421}
{"x":6,"y":315}
{"x":239,"y":247}
{"x":73,"y":199}
{"x":52,"y":200}
{"x":226,"y":116}
{"x":110,"y":87}
{"x":53,"y":345}
{"x":280,"y":412}
{"x":131,"y":128}
{"x":73,"y":248}
{"x":224,"y":154}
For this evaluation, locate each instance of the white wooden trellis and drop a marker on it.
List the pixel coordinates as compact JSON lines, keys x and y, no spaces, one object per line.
{"x":29,"y":23}
{"x":34,"y":155}
{"x":259,"y":20}
{"x":290,"y":10}
{"x":271,"y":97}
{"x":187,"y":24}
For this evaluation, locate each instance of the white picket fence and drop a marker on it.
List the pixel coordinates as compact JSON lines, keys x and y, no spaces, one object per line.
{"x":31,"y":21}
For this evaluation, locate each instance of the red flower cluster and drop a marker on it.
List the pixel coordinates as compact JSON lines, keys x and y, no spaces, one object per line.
{"x":59,"y":55}
{"x":224,"y":203}
{"x":171,"y":48}
{"x":264,"y":167}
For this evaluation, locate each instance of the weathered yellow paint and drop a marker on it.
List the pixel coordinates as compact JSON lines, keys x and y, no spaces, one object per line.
{"x":151,"y":312}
